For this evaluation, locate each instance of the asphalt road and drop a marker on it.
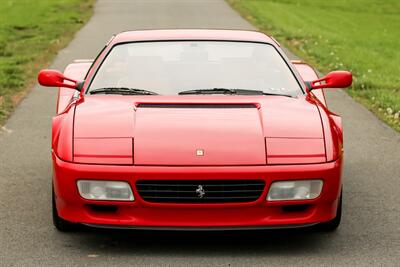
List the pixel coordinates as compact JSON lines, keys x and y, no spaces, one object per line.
{"x":370,"y":230}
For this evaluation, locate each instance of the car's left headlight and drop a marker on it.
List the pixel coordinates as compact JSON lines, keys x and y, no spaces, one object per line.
{"x":295,"y":190}
{"x":105,"y":190}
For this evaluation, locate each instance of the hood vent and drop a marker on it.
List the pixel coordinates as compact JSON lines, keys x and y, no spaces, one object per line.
{"x":194,"y":105}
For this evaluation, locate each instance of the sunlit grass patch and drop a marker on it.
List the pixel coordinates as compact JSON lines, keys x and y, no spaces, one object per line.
{"x":31,"y":33}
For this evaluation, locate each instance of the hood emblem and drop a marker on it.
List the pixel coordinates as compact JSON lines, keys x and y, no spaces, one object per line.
{"x":199,"y":152}
{"x":200,"y":191}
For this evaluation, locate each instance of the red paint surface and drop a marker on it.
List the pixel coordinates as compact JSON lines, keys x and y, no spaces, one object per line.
{"x":334,"y":79}
{"x":103,"y":150}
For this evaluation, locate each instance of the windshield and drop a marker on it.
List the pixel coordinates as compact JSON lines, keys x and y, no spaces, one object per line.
{"x":170,"y":67}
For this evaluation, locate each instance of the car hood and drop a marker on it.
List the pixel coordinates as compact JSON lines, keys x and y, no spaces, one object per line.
{"x":197,"y":130}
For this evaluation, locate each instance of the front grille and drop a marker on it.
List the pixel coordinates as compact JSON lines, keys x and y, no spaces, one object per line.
{"x":200,"y":191}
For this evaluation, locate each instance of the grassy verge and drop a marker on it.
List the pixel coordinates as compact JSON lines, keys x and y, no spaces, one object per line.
{"x":31,"y":33}
{"x":357,"y":35}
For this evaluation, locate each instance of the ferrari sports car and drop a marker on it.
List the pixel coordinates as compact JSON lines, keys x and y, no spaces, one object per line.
{"x":195,"y":130}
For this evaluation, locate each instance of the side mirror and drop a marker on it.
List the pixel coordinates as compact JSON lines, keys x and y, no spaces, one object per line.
{"x":54,"y":78}
{"x":334,"y":79}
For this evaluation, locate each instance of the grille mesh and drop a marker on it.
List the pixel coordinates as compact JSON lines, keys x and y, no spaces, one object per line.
{"x":200,"y":191}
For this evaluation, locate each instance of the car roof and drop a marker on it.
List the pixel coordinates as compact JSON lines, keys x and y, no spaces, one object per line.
{"x":191,"y":34}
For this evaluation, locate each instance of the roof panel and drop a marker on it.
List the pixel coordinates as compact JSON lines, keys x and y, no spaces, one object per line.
{"x":191,"y":34}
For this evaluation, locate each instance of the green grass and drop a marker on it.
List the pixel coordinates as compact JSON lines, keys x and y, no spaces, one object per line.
{"x":362,"y":36}
{"x":31,"y":33}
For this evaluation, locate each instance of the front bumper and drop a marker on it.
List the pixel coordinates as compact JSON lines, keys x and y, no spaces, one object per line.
{"x":140,"y":214}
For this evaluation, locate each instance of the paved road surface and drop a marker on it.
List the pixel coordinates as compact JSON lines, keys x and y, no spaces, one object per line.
{"x":371,"y":224}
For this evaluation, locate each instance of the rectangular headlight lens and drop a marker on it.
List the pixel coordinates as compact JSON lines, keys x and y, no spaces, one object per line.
{"x":295,"y":190}
{"x":105,"y":190}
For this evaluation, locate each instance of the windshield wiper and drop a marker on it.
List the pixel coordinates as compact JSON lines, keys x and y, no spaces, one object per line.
{"x":121,"y":91}
{"x":264,"y":93}
{"x":228,"y":91}
{"x":208,"y":91}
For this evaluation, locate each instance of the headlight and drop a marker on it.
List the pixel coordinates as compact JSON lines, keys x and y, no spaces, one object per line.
{"x":295,"y":190}
{"x":105,"y":190}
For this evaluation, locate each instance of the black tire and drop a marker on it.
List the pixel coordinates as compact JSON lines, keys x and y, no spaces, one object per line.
{"x":61,"y":224}
{"x":333,"y":224}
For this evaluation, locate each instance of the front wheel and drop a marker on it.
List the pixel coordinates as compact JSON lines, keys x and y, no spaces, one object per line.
{"x":61,"y":224}
{"x":333,"y":224}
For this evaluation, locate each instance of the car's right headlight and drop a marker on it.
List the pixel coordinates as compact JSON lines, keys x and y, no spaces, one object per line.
{"x":295,"y":190}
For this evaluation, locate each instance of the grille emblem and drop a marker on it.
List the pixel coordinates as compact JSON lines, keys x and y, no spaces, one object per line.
{"x":199,"y":152}
{"x":200,"y":191}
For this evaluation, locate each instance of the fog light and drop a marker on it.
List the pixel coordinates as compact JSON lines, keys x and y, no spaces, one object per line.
{"x":105,"y":190}
{"x":295,"y":190}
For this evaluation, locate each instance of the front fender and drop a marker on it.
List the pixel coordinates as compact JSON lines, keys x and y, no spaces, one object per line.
{"x":333,"y":133}
{"x":62,"y":135}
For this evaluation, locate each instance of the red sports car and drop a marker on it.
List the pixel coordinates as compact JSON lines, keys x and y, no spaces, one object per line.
{"x":195,"y":129}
